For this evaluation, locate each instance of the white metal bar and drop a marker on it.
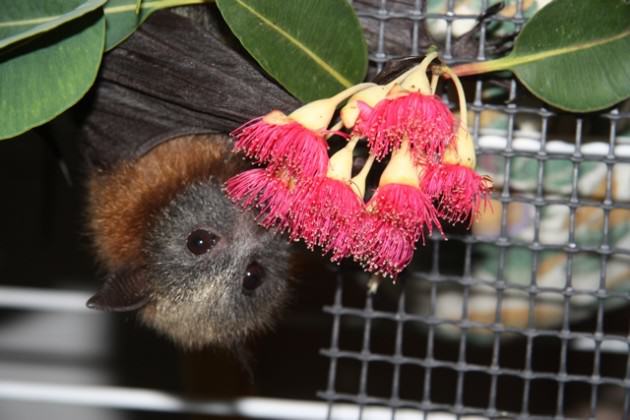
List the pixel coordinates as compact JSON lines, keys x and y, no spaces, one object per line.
{"x":151,"y":400}
{"x":43,"y":299}
{"x":605,"y":346}
{"x":496,"y":139}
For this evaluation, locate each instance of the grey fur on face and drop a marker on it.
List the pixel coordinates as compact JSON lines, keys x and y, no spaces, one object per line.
{"x":202,"y":299}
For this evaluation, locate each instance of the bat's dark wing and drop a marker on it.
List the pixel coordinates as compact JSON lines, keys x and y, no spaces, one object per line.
{"x":183,"y":72}
{"x":177,"y":75}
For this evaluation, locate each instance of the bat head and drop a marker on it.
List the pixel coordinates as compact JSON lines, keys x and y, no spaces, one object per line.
{"x":215,"y":275}
{"x":196,"y":267}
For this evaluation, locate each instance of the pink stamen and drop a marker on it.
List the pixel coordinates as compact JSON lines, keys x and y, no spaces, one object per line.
{"x":406,"y":207}
{"x":326,"y":214}
{"x":460,"y":192}
{"x":283,"y":145}
{"x":423,"y":119}
{"x":265,"y":190}
{"x":388,"y":249}
{"x":398,"y":216}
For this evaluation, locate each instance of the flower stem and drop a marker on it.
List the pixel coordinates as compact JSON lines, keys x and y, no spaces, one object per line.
{"x":404,"y":75}
{"x":469,"y":69}
{"x":340,"y":164}
{"x":358,"y":182}
{"x":336,"y":127}
{"x":464,"y":153}
{"x":434,"y":81}
{"x":345,"y":94}
{"x":417,"y":80}
{"x":316,"y":115}
{"x":463,"y":108}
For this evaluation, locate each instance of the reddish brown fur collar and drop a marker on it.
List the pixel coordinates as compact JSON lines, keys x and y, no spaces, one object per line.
{"x":122,"y":202}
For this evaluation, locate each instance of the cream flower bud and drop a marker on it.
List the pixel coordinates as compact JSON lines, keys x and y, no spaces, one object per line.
{"x":417,"y":81}
{"x":340,"y":164}
{"x":401,"y":169}
{"x":316,"y":115}
{"x":462,"y":152}
{"x":370,"y":96}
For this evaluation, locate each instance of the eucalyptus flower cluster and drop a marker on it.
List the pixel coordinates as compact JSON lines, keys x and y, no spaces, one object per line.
{"x":429,"y":176}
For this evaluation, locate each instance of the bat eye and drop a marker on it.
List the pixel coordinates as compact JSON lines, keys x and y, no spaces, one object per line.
{"x":200,"y":241}
{"x":254,"y":276}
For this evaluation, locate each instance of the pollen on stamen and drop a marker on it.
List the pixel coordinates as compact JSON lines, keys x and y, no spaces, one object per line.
{"x":277,"y":140}
{"x":405,"y":206}
{"x":388,"y":249}
{"x":398,"y":216}
{"x":326,"y":215}
{"x":424,"y":119}
{"x":272,"y":195}
{"x":460,"y":192}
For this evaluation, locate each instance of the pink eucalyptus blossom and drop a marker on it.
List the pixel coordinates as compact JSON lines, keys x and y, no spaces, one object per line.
{"x":459,"y":191}
{"x":397,"y":217}
{"x":327,"y":215}
{"x":423,"y":119}
{"x":270,"y":192}
{"x":277,"y":140}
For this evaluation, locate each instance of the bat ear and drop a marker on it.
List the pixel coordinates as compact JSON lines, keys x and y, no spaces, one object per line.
{"x":122,"y":292}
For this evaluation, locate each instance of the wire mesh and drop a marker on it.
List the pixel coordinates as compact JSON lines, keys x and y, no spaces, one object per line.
{"x":526,"y":315}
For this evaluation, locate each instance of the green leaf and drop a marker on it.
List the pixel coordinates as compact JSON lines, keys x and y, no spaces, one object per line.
{"x":42,"y":78}
{"x":573,"y":54}
{"x":23,"y":19}
{"x":124,"y":16}
{"x":312,"y":48}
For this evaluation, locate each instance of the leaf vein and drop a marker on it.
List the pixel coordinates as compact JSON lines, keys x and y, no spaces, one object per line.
{"x":318,"y":60}
{"x":568,"y":49}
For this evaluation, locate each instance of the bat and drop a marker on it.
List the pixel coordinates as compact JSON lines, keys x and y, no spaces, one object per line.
{"x":173,"y":247}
